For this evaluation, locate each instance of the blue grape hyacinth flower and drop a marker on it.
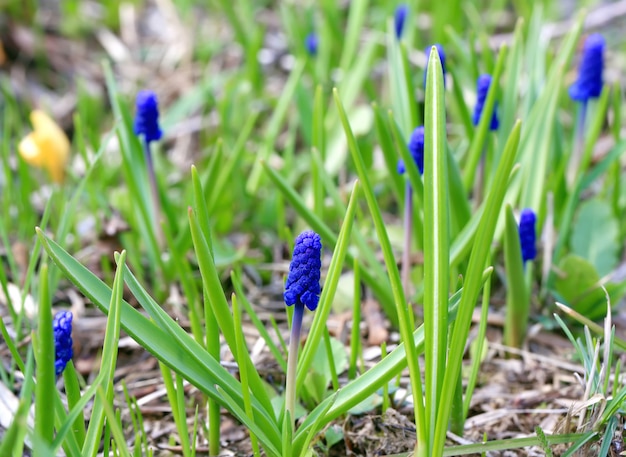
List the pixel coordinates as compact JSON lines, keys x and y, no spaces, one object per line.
{"x":482,"y":89}
{"x":63,"y":350}
{"x":590,"y":81}
{"x":442,"y":59}
{"x":147,"y":125}
{"x":527,"y":234}
{"x":416,"y":148}
{"x":303,"y":281}
{"x":147,"y":117}
{"x":301,"y":289}
{"x":311,"y":43}
{"x":400,"y":15}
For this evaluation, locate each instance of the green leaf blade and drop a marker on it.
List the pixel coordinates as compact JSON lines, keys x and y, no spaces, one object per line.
{"x":436,"y":240}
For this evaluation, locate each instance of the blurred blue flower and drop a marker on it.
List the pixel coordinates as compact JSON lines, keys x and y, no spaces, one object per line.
{"x":416,"y":148}
{"x":310,"y":43}
{"x":527,"y":236}
{"x":303,"y":281}
{"x":482,"y":89}
{"x":63,"y":351}
{"x":147,"y":116}
{"x":402,"y":11}
{"x":442,"y":59}
{"x":589,"y":82}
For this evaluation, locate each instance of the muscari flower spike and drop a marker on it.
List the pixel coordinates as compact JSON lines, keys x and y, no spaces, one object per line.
{"x":416,"y":148}
{"x":400,"y":15}
{"x":147,"y":117}
{"x":589,"y":82}
{"x":63,"y":351}
{"x":303,"y":281}
{"x":310,"y":43}
{"x":442,"y":59}
{"x":46,"y":146}
{"x":482,"y":89}
{"x":527,"y":235}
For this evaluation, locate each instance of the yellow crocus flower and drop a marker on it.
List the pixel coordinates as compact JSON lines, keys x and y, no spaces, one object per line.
{"x":46,"y":146}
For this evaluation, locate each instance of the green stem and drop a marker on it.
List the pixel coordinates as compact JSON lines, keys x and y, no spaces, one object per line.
{"x":292,"y":361}
{"x":355,"y":336}
{"x":154,"y":190}
{"x":579,"y":146}
{"x":408,"y":228}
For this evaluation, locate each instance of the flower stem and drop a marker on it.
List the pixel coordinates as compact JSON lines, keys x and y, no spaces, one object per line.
{"x":292,"y":361}
{"x":579,"y":144}
{"x":408,"y":228}
{"x":156,"y":203}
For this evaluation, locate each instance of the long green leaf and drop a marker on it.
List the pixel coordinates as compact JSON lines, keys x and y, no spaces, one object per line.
{"x":184,"y":355}
{"x":108,"y":361}
{"x":517,"y":300}
{"x":45,"y":390}
{"x":472,"y":285}
{"x":392,"y":268}
{"x":77,"y":412}
{"x":436,"y":242}
{"x":211,"y":366}
{"x":213,"y":288}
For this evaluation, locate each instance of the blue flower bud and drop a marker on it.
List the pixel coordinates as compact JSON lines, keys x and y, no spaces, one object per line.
{"x":442,"y":59}
{"x":527,"y":235}
{"x":482,"y":89}
{"x":303,"y":281}
{"x":147,"y":117}
{"x":400,"y":18}
{"x":589,"y":82}
{"x":416,"y":148}
{"x":63,"y":351}
{"x":310,"y":43}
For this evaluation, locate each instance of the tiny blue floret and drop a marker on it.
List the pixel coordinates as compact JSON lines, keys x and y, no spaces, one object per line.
{"x":147,"y":116}
{"x":400,"y":18}
{"x":589,"y":82}
{"x":482,"y":89}
{"x":310,"y":43}
{"x":303,"y":281}
{"x":527,"y":235}
{"x":442,"y":59}
{"x":63,"y":351}
{"x":416,"y":148}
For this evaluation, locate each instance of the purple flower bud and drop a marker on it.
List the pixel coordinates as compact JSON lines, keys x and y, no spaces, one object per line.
{"x":442,"y":59}
{"x":416,"y":148}
{"x":310,"y":43}
{"x":400,"y":18}
{"x":303,"y":281}
{"x":147,"y":117}
{"x":63,"y":351}
{"x":527,"y":235}
{"x":482,"y":89}
{"x":589,"y":82}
